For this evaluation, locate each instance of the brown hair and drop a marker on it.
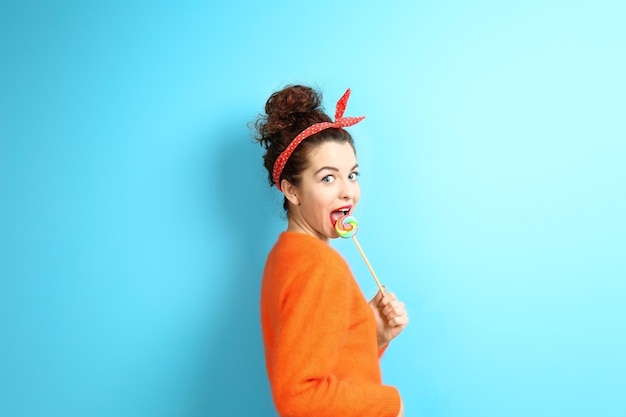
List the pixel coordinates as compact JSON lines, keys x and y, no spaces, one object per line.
{"x":287,"y":113}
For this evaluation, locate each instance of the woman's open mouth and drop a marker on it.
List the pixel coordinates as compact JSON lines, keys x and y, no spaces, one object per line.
{"x":339,"y":213}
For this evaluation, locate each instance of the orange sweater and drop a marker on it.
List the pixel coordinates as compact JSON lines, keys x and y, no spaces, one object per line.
{"x":320,"y":335}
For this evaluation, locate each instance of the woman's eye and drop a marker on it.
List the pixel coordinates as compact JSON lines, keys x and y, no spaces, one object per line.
{"x":328,"y":179}
{"x":353,"y":176}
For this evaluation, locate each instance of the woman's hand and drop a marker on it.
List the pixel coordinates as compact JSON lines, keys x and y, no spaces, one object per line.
{"x":391,"y":317}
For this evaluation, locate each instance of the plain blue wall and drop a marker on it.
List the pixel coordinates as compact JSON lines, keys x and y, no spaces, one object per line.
{"x":135,"y":217}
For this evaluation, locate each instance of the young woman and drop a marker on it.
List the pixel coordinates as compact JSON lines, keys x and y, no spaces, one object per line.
{"x":323,"y":340}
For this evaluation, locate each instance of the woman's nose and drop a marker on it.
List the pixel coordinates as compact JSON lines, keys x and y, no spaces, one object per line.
{"x":348,"y":190}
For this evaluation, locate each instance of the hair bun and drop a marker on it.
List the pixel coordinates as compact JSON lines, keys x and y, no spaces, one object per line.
{"x":292,"y":108}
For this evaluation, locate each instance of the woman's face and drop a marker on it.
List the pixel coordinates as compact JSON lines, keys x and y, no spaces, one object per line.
{"x":328,"y":189}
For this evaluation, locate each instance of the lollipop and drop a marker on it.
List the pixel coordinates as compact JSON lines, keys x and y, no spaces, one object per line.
{"x":346,"y":227}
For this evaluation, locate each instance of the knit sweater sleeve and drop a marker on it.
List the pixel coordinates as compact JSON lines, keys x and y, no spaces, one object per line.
{"x":311,"y":321}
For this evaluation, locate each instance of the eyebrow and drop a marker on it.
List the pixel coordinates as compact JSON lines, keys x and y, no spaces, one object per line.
{"x":334,"y":169}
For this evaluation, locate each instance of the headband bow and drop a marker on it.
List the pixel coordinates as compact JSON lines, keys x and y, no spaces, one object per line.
{"x":340,"y":122}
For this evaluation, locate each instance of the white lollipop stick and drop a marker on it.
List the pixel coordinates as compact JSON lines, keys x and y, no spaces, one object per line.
{"x":346,"y":227}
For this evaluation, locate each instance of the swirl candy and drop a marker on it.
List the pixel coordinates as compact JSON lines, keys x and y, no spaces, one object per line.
{"x":346,"y":226}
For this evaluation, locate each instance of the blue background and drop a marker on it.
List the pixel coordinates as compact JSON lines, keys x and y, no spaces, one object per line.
{"x":135,"y":216}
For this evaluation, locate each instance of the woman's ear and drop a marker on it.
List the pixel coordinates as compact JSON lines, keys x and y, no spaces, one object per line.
{"x":290,"y":191}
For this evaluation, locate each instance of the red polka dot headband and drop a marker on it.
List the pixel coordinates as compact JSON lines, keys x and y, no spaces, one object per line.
{"x":340,"y":122}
